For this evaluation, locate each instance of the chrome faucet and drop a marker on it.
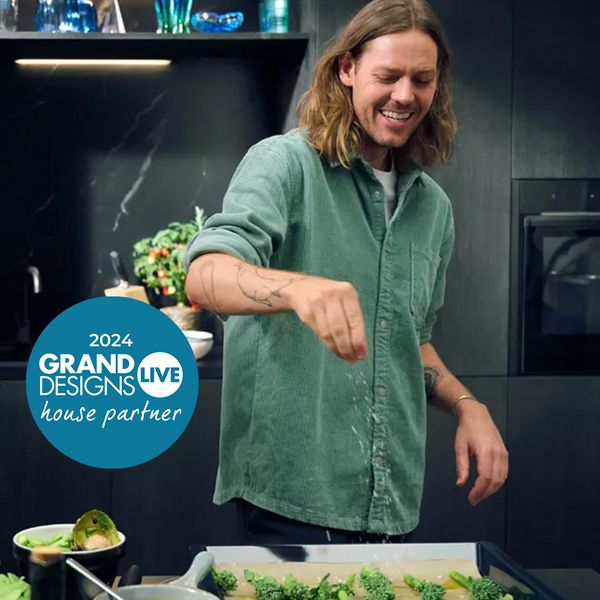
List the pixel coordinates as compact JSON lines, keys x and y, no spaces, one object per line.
{"x":35,"y":277}
{"x":24,"y":326}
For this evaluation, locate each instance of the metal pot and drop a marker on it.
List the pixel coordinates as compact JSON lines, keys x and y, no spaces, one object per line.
{"x":183,"y":588}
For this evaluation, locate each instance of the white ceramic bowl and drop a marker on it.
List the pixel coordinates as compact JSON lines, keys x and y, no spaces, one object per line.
{"x":103,"y":563}
{"x":200,"y":341}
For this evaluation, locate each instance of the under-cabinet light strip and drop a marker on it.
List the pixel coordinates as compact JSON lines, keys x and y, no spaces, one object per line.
{"x":91,"y":62}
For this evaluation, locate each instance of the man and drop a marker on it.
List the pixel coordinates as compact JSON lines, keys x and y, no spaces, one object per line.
{"x":332,"y":250}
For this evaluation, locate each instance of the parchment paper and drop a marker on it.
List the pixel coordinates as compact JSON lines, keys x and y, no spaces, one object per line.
{"x":311,"y":573}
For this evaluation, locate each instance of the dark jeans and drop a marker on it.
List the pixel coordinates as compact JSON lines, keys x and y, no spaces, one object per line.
{"x":260,"y":527}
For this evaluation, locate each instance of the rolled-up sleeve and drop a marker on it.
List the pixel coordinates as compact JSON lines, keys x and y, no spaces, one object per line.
{"x":253,"y":222}
{"x":437,"y":297}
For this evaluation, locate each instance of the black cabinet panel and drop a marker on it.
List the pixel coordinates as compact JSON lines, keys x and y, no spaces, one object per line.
{"x":471,"y":333}
{"x":446,"y":514}
{"x":554,"y":490}
{"x":39,"y":484}
{"x":165,"y":505}
{"x":556,"y":86}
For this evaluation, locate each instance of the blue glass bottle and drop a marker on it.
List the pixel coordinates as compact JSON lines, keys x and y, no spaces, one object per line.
{"x":69,"y":17}
{"x":88,"y":16}
{"x":273,"y":16}
{"x":46,"y":16}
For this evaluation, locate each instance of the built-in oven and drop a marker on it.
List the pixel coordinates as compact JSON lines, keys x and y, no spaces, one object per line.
{"x":555,"y":275}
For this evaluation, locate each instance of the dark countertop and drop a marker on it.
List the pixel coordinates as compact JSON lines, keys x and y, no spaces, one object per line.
{"x":571,"y":584}
{"x":209,"y":367}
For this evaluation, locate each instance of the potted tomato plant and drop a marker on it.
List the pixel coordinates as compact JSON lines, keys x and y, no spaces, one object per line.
{"x":158,"y":263}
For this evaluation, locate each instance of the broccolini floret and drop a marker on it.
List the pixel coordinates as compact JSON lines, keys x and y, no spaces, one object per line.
{"x":226,"y":581}
{"x":294,"y":589}
{"x":376,"y":584}
{"x":428,"y":590}
{"x":325,"y":590}
{"x":343,"y":589}
{"x":480,"y":589}
{"x":265,"y":587}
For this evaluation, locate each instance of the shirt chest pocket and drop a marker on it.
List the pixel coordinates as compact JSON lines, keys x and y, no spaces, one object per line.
{"x":423,"y":271}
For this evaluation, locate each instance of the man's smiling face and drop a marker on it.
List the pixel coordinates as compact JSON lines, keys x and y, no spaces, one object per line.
{"x":393,"y":84}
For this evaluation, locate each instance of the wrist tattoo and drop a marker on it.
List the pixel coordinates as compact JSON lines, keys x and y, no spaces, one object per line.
{"x":258,"y":287}
{"x":432,"y":377}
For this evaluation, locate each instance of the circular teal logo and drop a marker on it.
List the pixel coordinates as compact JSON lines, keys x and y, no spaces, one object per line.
{"x":112,"y":382}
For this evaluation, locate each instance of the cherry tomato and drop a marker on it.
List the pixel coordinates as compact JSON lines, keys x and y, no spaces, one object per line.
{"x":161,"y":274}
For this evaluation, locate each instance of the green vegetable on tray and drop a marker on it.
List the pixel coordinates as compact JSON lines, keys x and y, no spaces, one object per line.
{"x":480,"y":589}
{"x":294,"y":589}
{"x":226,"y":581}
{"x":265,"y":587}
{"x":427,"y":590}
{"x":14,"y":588}
{"x":376,"y":585}
{"x":325,"y":590}
{"x":268,"y":588}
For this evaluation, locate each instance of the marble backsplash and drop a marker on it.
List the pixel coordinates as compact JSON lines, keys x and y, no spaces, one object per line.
{"x":93,"y":160}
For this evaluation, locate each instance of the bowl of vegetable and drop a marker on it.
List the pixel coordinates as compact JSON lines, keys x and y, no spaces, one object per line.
{"x":93,"y":540}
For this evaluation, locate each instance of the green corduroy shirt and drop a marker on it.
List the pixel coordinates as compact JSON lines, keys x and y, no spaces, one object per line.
{"x":303,"y":433}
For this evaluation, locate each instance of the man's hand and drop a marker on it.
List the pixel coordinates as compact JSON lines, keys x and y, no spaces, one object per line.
{"x":478,"y":437}
{"x":332,"y":310}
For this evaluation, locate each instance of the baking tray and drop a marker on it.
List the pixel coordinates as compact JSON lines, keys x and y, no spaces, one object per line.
{"x":490,"y":560}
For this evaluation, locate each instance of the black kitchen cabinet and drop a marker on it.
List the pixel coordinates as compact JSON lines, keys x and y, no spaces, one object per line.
{"x":162,"y":507}
{"x":553,"y":507}
{"x":477,"y":180}
{"x":556,"y":123}
{"x":165,"y":505}
{"x":446,"y":515}
{"x":40,"y":485}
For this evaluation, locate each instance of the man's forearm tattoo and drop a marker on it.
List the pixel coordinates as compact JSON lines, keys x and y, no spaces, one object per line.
{"x":432,"y":376}
{"x":207,"y":278}
{"x":265,"y":289}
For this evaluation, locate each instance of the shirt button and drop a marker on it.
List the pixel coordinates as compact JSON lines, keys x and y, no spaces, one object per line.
{"x":387,"y":256}
{"x":381,"y":391}
{"x":377,"y":194}
{"x":379,"y":461}
{"x":384,"y":324}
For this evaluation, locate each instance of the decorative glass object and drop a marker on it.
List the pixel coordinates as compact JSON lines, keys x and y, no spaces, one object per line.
{"x":273,"y":16}
{"x":88,"y":16}
{"x":173,"y":16}
{"x":78,"y":16}
{"x":46,"y":16}
{"x":211,"y":22}
{"x":69,"y":19}
{"x":8,"y":15}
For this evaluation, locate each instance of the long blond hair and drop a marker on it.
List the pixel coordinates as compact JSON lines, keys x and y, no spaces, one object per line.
{"x":326,"y":111}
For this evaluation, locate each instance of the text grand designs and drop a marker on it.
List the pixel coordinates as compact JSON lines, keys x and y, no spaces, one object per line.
{"x":96,"y":375}
{"x":97,"y":384}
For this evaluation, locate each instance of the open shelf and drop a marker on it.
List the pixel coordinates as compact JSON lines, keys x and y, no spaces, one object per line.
{"x":269,"y":46}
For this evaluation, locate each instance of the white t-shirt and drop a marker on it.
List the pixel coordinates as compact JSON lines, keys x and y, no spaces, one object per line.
{"x":388,"y":180}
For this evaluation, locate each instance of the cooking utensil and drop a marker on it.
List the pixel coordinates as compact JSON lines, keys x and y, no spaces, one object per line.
{"x":103,"y":563}
{"x":81,"y":569}
{"x":183,"y":588}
